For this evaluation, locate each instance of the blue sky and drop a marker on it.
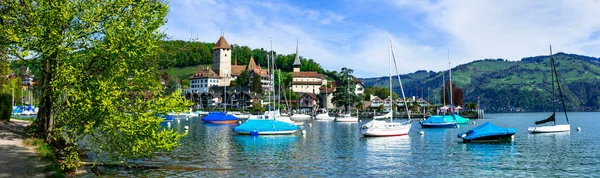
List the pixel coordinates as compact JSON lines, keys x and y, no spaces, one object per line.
{"x":354,"y":34}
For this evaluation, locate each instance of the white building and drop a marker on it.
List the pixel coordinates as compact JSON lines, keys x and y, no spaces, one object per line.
{"x":360,"y":87}
{"x":306,"y":82}
{"x":203,"y":80}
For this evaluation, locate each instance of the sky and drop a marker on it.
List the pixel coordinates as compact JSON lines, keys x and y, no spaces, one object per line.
{"x":424,"y":34}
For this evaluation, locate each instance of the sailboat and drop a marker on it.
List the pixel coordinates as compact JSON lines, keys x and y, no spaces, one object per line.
{"x":552,"y":118}
{"x":379,"y":128}
{"x":219,"y":117}
{"x":443,"y":121}
{"x":272,"y":122}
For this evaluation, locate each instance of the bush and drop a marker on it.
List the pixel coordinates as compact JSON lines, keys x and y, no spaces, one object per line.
{"x":5,"y":107}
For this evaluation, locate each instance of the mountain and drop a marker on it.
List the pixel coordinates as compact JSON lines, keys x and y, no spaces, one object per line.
{"x":503,"y":85}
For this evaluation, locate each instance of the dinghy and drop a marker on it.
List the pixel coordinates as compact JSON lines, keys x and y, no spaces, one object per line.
{"x":552,"y":118}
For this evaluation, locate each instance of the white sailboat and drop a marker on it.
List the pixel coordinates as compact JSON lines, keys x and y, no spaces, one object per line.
{"x":552,"y":118}
{"x":324,"y":116}
{"x":346,"y":118}
{"x":379,"y":128}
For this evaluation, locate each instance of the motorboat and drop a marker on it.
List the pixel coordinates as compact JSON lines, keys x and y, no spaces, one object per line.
{"x":488,"y":132}
{"x":218,"y":117}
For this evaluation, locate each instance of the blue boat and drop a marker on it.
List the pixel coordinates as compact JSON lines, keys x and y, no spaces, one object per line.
{"x":166,"y":117}
{"x":487,"y":132}
{"x":439,"y":122}
{"x":219,"y":118}
{"x":265,"y":127}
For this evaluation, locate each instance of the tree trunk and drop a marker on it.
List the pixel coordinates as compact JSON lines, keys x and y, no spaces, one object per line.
{"x":45,"y":120}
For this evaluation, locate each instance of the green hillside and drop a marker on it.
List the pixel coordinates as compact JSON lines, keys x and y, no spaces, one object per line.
{"x":505,"y":85}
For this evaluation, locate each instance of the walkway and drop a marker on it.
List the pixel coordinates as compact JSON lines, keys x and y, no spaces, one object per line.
{"x":17,"y":160}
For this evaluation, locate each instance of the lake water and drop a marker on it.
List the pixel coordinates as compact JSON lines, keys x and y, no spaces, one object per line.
{"x":330,"y":149}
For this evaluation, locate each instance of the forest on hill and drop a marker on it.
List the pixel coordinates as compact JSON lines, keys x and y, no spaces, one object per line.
{"x":505,"y":86}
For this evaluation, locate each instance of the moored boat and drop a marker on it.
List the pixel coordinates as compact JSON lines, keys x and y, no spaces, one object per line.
{"x":346,"y":118}
{"x":298,"y":117}
{"x":219,"y":118}
{"x":439,"y":122}
{"x":265,"y":127}
{"x":487,"y":132}
{"x":552,"y":118}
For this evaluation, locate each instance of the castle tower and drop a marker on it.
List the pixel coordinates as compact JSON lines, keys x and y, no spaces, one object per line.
{"x":222,"y":60}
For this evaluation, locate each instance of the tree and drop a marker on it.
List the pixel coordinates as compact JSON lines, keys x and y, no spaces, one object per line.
{"x":344,"y":94}
{"x":171,"y":85}
{"x":98,"y":73}
{"x":381,"y":92}
{"x":244,"y":79}
{"x":457,"y":94}
{"x":256,"y":84}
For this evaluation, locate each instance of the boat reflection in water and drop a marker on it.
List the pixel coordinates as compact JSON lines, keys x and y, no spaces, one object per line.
{"x":269,"y":143}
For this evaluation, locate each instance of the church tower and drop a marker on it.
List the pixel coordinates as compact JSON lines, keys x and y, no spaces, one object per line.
{"x":222,"y":60}
{"x":297,"y":63}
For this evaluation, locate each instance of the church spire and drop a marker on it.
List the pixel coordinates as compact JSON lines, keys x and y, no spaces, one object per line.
{"x":297,"y":63}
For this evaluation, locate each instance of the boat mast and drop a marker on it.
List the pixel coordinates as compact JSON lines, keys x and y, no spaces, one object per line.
{"x":450,"y":86}
{"x":399,"y":81}
{"x":390,"y":75}
{"x":269,"y":68}
{"x":272,"y":76}
{"x":559,"y":89}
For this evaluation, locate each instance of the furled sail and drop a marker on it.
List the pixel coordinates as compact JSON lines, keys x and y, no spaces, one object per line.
{"x":552,"y":118}
{"x":388,"y":115}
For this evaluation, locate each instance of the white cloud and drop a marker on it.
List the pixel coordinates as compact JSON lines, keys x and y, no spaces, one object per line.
{"x":472,"y":30}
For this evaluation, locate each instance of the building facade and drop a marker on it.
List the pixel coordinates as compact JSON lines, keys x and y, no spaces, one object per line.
{"x":203,"y":80}
{"x":222,"y":61}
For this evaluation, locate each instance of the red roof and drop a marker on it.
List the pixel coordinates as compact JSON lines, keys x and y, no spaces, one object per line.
{"x":205,"y":72}
{"x":306,"y":83}
{"x":310,"y":74}
{"x":222,"y":44}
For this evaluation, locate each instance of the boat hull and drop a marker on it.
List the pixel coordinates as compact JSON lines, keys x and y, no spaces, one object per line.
{"x":324,"y":117}
{"x":438,"y":125}
{"x":550,"y":129}
{"x":385,"y":132}
{"x":491,"y":138}
{"x":299,"y":117}
{"x":351,"y":119}
{"x":287,"y":132}
{"x":222,"y":122}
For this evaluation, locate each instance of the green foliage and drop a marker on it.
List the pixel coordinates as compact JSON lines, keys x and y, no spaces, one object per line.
{"x":171,"y":85}
{"x":101,"y":83}
{"x":243,"y":79}
{"x":344,"y":94}
{"x":255,"y":85}
{"x":183,"y":72}
{"x":5,"y":106}
{"x":381,"y":92}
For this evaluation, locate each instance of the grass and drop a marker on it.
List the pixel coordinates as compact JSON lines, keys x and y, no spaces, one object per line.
{"x":183,"y":72}
{"x":45,"y":151}
{"x":30,"y":119}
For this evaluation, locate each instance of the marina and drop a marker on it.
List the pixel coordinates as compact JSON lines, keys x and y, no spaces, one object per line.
{"x":338,"y":149}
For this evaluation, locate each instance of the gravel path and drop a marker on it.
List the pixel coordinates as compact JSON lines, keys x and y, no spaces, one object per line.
{"x":16,"y":159}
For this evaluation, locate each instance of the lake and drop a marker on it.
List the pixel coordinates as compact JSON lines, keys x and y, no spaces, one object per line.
{"x":330,"y":149}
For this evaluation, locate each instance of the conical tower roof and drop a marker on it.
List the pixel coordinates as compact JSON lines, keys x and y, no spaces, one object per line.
{"x":297,"y":60}
{"x":251,"y":64}
{"x":222,"y":44}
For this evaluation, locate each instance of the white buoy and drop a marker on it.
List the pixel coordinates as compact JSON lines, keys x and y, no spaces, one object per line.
{"x":187,"y":118}
{"x":457,"y":126}
{"x":186,"y":127}
{"x":178,"y":121}
{"x":303,"y":132}
{"x":473,"y":122}
{"x":239,"y":122}
{"x":359,"y":121}
{"x":578,"y":129}
{"x":310,"y":124}
{"x":421,"y":133}
{"x":463,"y":135}
{"x":168,"y":124}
